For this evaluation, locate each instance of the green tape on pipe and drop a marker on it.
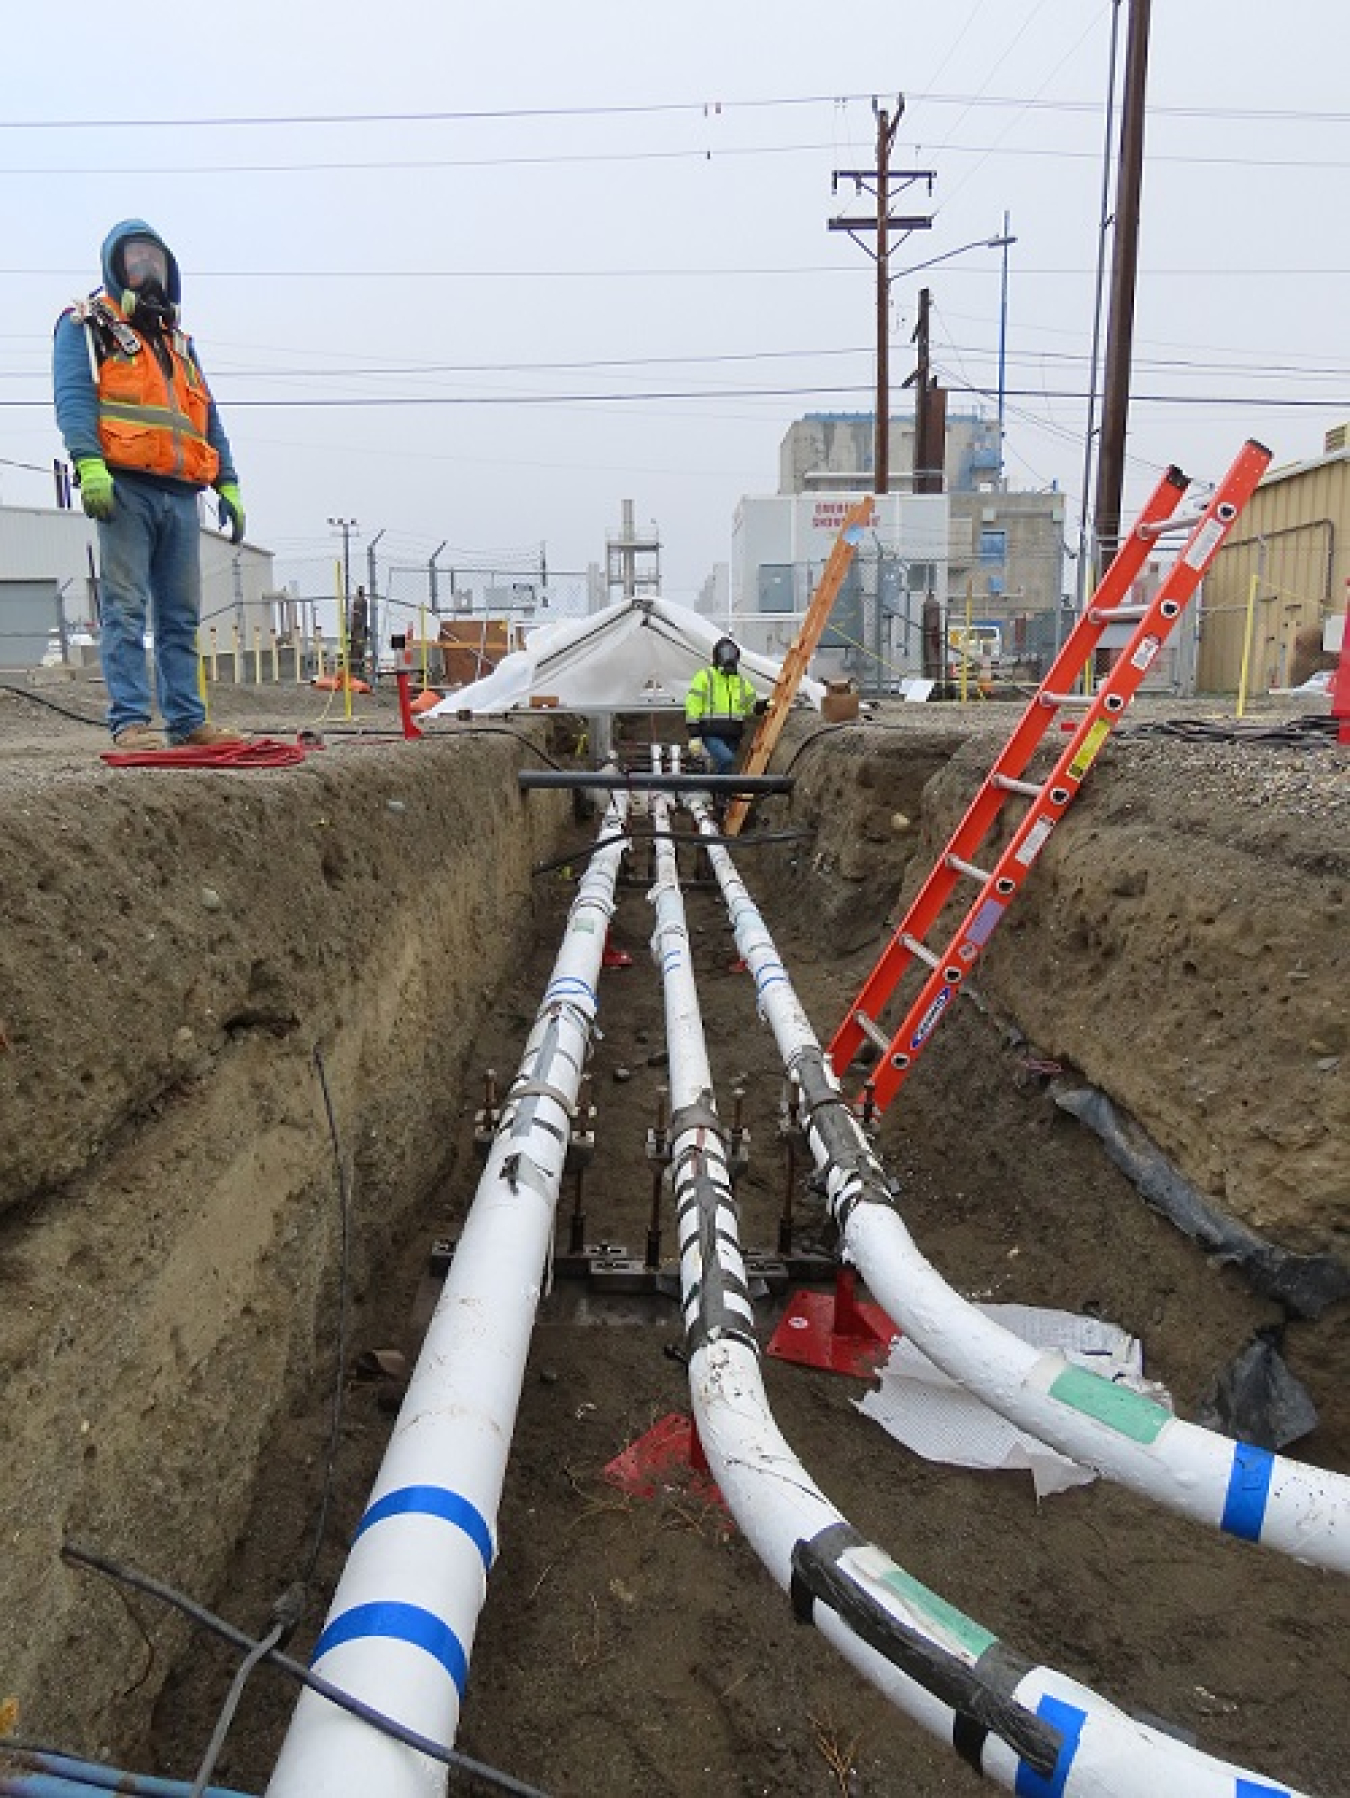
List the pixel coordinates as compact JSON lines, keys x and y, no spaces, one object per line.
{"x":955,"y":1624}
{"x":1128,"y":1413}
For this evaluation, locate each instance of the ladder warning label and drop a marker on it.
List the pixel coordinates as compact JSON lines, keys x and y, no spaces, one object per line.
{"x":1035,"y":841}
{"x":1088,"y":749}
{"x":985,"y":922}
{"x":1207,"y":540}
{"x":1146,"y":652}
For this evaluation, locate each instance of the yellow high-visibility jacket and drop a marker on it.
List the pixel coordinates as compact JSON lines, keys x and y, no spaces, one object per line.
{"x":718,"y":704}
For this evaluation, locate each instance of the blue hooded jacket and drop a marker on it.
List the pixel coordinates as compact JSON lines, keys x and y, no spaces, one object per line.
{"x":73,"y":378}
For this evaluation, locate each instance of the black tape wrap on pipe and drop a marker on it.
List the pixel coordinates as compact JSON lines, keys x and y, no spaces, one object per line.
{"x":830,"y":1116}
{"x":979,"y":1693}
{"x":714,"y":1320}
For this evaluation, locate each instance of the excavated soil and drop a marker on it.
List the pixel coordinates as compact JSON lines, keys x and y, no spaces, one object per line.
{"x":169,"y":1237}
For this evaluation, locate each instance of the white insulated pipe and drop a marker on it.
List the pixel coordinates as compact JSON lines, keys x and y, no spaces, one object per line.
{"x":1235,"y":1487}
{"x":1099,"y":1752}
{"x":400,"y":1629}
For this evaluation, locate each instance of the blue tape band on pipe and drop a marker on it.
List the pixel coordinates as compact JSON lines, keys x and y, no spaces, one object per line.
{"x":1069,"y":1721}
{"x":1244,"y":1508}
{"x":402,"y":1623}
{"x":570,"y":983}
{"x":1253,"y":1788}
{"x":434,"y":1501}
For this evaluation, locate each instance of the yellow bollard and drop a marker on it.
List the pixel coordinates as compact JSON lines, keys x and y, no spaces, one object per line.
{"x":422,"y":639}
{"x":215,"y":655}
{"x":276,"y":659}
{"x":1245,"y":670}
{"x":257,"y":655}
{"x":235,"y":652}
{"x":344,"y":663}
{"x":203,"y":690}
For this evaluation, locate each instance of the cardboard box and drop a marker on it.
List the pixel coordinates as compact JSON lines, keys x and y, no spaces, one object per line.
{"x":543,"y":702}
{"x":840,"y":703}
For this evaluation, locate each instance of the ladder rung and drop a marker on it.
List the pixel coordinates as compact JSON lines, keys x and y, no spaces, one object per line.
{"x":1184,"y":521}
{"x":1048,"y":698}
{"x":921,"y":950}
{"x":1008,"y":784}
{"x":1117,"y":614}
{"x":872,"y":1031}
{"x":964,"y":867}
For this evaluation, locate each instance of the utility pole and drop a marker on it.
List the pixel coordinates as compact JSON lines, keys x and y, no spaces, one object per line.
{"x":431,"y":580}
{"x":372,"y":588}
{"x":878,"y":183}
{"x":346,"y":526}
{"x":930,"y":409}
{"x":881,"y":452}
{"x":1003,"y":344}
{"x":1124,"y":271}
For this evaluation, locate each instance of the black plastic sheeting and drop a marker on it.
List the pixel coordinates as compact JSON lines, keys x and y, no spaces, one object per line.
{"x":1304,"y":1284}
{"x":1256,"y":1399}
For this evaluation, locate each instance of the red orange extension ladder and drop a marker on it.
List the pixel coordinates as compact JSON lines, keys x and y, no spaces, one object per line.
{"x":901,"y":1045}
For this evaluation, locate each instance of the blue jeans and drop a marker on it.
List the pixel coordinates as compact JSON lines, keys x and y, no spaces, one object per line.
{"x":721,"y":754}
{"x":150,"y":570}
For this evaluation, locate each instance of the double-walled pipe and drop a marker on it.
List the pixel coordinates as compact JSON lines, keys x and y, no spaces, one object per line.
{"x":401,"y":1626}
{"x":946,"y":1670}
{"x":1233,"y":1486}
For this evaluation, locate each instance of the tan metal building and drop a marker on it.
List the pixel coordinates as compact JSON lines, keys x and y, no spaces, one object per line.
{"x":1290,"y":549}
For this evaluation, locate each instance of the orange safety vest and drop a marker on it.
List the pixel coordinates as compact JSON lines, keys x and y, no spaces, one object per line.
{"x":151,"y":423}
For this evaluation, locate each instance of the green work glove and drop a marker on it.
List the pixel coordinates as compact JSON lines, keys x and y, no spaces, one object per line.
{"x":96,"y":486}
{"x":231,"y":510}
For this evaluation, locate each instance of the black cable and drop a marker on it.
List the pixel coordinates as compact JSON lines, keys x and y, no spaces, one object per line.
{"x":1315,"y":728}
{"x":52,"y":706}
{"x":504,"y":730}
{"x":585,"y":850}
{"x":335,"y":1424}
{"x":231,"y":1705}
{"x":411,"y":1738}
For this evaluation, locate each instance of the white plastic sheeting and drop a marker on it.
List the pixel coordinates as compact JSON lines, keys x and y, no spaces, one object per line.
{"x":636,"y":654}
{"x":925,"y":1409}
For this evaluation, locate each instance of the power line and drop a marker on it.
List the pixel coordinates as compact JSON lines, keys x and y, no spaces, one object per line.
{"x":696,"y":153}
{"x":708,"y":108}
{"x":309,"y":403}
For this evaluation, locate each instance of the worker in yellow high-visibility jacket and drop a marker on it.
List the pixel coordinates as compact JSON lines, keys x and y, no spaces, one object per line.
{"x":719,"y":701}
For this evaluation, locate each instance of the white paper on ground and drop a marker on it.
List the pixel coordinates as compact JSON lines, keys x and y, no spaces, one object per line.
{"x":920,"y":1406}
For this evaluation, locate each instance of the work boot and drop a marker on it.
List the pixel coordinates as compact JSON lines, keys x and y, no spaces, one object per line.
{"x":137,"y":739}
{"x":209,"y":736}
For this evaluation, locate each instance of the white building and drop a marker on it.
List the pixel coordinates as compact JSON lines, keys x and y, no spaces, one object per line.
{"x":49,"y":583}
{"x":780,"y":545}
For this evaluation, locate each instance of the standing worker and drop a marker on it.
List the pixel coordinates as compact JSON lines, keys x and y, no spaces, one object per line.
{"x":719,"y":701}
{"x":143,"y":432}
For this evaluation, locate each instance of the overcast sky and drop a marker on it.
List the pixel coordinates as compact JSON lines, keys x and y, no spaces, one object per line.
{"x":606,"y":210}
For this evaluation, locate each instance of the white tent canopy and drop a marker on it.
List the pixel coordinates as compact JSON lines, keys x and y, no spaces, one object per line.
{"x":637,"y":655}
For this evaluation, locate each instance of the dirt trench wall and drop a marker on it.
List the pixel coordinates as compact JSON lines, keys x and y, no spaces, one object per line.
{"x":1183,"y":942}
{"x":177,"y":946}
